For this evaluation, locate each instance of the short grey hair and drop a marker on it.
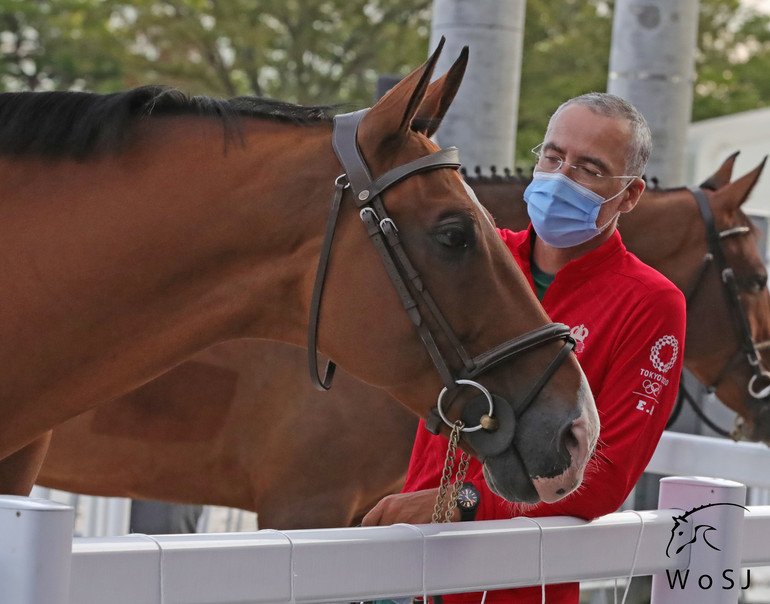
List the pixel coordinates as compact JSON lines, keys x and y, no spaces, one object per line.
{"x":610,"y":105}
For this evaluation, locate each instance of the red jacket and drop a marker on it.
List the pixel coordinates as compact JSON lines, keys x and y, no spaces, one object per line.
{"x":629,"y":324}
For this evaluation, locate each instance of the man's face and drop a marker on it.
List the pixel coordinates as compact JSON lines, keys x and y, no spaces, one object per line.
{"x":580,"y":136}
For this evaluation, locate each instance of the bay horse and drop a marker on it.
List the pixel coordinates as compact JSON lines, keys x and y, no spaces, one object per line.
{"x":142,"y":227}
{"x":170,"y":439}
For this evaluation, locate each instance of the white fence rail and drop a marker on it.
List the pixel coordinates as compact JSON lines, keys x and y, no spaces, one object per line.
{"x":355,"y":564}
{"x":680,"y":454}
{"x":338,"y":565}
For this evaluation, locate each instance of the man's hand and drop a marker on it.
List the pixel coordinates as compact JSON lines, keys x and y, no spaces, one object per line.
{"x":411,"y":508}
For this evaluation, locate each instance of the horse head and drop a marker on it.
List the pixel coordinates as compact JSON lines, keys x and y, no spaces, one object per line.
{"x":738,"y":303}
{"x":437,"y":254}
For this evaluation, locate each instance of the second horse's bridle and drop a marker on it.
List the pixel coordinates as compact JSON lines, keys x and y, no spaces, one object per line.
{"x":747,"y":347}
{"x":496,"y":433}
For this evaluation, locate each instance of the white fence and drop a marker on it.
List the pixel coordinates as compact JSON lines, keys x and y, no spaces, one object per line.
{"x":353,"y":564}
{"x":39,"y":563}
{"x":687,"y":454}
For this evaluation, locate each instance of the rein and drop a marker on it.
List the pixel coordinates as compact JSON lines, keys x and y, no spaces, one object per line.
{"x":486,"y":431}
{"x":747,"y":348}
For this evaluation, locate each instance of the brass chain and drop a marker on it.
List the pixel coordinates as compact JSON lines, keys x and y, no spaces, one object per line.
{"x":459,"y":479}
{"x":446,"y":474}
{"x":446,"y":477}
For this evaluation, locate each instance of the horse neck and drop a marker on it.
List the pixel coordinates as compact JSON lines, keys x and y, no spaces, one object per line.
{"x":664,"y":231}
{"x":123,"y":266}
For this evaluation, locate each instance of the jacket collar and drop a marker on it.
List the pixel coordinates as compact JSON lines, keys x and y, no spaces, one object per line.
{"x":589,"y":263}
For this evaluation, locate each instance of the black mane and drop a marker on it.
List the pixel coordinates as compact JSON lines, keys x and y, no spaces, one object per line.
{"x":82,"y":124}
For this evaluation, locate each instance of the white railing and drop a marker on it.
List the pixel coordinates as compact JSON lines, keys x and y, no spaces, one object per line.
{"x":380,"y":561}
{"x":680,"y":454}
{"x":354,"y":564}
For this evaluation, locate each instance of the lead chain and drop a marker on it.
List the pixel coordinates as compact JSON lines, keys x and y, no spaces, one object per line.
{"x":446,"y":477}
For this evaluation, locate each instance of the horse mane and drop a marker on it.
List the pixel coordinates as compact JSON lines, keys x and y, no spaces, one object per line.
{"x":84,"y":124}
{"x":508,"y":175}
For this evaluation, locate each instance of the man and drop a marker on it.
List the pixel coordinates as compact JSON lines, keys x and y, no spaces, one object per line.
{"x":627,"y":319}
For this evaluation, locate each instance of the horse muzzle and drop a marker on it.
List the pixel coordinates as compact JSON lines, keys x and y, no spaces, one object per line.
{"x":548,"y":456}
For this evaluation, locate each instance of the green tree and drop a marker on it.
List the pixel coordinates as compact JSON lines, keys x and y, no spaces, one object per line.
{"x":567,"y":47}
{"x":566,"y":53}
{"x":306,"y":52}
{"x":733,"y":59}
{"x":57,"y":44}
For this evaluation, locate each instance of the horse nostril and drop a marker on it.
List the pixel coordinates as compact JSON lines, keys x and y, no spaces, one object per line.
{"x":577,"y":441}
{"x":569,"y":441}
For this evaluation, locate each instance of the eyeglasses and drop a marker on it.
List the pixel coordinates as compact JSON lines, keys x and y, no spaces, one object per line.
{"x":580,"y":173}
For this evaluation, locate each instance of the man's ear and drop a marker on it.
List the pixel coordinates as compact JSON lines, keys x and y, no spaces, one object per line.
{"x":633,"y":194}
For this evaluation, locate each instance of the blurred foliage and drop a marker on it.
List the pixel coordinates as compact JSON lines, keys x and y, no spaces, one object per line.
{"x":305,"y":52}
{"x":567,"y":52}
{"x":331,"y":51}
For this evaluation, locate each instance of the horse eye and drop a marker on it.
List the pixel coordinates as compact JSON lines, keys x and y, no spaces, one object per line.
{"x":452,"y":236}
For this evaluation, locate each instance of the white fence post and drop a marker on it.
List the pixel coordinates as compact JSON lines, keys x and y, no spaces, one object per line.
{"x":710,"y":533}
{"x":118,"y":516}
{"x":35,"y":550}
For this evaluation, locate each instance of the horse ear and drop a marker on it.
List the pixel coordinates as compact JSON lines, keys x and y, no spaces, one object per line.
{"x":721,"y":177}
{"x":439,"y":96}
{"x":394,"y":112}
{"x":736,"y":193}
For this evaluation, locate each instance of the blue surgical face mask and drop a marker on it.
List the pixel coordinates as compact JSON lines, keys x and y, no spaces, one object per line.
{"x":563,"y":213}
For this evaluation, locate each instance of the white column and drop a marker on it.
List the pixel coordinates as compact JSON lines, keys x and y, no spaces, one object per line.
{"x":118,"y":516}
{"x":483,"y":116}
{"x":652,"y":65}
{"x":35,"y":550}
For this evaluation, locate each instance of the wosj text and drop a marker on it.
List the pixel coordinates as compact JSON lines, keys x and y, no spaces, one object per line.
{"x":653,"y":376}
{"x":678,"y":580}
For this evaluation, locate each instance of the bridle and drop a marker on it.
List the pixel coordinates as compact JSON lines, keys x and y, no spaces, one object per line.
{"x":496,"y":433}
{"x":747,"y":348}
